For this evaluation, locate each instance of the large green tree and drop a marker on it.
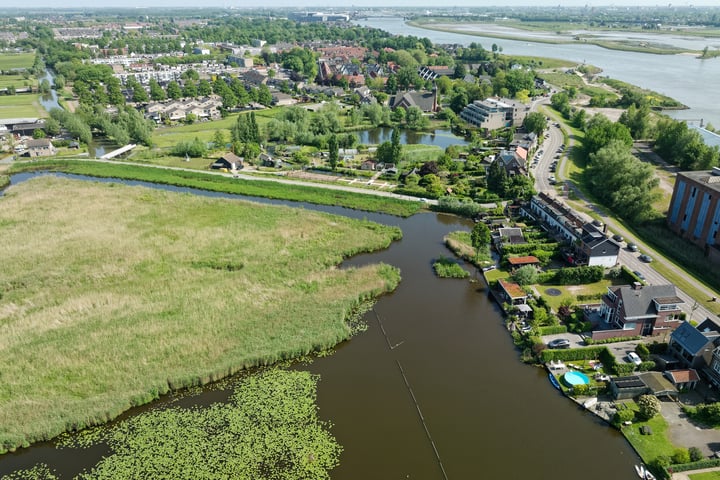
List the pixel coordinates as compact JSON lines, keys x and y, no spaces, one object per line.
{"x":535,"y":122}
{"x":480,"y":236}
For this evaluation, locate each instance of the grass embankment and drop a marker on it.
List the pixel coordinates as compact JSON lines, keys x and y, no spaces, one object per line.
{"x":112,"y":295}
{"x":222,"y":183}
{"x":4,"y":181}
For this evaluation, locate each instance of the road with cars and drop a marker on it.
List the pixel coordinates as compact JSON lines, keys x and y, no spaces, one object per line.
{"x":551,"y":146}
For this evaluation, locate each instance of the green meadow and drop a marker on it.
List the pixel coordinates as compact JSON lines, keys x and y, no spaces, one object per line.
{"x":112,"y":295}
{"x":21,"y":106}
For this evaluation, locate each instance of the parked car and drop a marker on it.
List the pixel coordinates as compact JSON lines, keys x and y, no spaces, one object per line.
{"x":645,"y":258}
{"x":617,"y":237}
{"x":634,"y":358}
{"x":632,"y":247}
{"x":639,"y":275}
{"x":559,"y":343}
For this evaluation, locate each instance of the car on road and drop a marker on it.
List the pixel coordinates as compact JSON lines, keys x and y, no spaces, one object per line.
{"x":645,"y":258}
{"x":617,"y":237}
{"x":634,"y":358}
{"x":559,"y":343}
{"x":639,"y":275}
{"x":632,"y":247}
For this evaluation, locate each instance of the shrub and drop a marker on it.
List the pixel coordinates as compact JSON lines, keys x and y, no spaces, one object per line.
{"x":448,"y":268}
{"x":649,"y":406}
{"x":642,"y":351}
{"x":526,"y":275}
{"x":695,"y":454}
{"x":623,"y":369}
{"x":590,"y":341}
{"x":622,"y":416}
{"x":574,"y":354}
{"x":681,"y":455}
{"x":708,"y":414}
{"x":581,"y":390}
{"x":552,"y":329}
{"x":646,"y":366}
{"x":707,"y":463}
{"x":657,"y":347}
{"x":579,"y":275}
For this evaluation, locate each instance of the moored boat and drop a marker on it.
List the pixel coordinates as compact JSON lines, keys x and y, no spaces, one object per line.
{"x":640,"y":470}
{"x":554,"y":381}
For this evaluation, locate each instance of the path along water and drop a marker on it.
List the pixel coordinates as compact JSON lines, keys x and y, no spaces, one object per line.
{"x":489,"y":415}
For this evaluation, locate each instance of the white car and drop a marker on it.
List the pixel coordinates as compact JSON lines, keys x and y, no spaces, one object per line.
{"x":634,"y":358}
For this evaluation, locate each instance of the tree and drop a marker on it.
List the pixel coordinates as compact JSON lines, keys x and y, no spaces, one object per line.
{"x":396,"y":146}
{"x":642,"y":351}
{"x":52,"y":126}
{"x":497,"y":178}
{"x":333,"y":152}
{"x":480,"y":237}
{"x":535,"y":122}
{"x":600,"y":131}
{"x":264,"y":95}
{"x":460,"y":71}
{"x":189,"y":90}
{"x":526,"y":275}
{"x":648,"y":406}
{"x":173,"y":90}
{"x":219,"y":139}
{"x":459,"y":101}
{"x":204,"y":88}
{"x":156,"y":91}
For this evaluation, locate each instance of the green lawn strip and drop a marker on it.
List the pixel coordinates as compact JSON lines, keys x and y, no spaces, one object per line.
{"x":544,"y":62}
{"x":9,"y":61}
{"x":18,"y":81}
{"x":705,"y":476}
{"x":421,"y":153}
{"x":21,"y":106}
{"x":220,"y":183}
{"x":112,"y":295}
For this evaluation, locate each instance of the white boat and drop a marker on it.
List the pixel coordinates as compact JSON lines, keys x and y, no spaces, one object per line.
{"x":640,"y":470}
{"x":648,"y":475}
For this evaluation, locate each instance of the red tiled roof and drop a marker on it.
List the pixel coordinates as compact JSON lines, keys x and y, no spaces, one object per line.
{"x":683,"y":376}
{"x":523,"y":260}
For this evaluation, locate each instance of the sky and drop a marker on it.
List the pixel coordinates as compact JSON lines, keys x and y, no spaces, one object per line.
{"x":337,"y":5}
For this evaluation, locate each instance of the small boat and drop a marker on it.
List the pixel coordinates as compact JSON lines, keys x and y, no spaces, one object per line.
{"x":648,"y":475}
{"x":640,"y":470}
{"x":554,"y":381}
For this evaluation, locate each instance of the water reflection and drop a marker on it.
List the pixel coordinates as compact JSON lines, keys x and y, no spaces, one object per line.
{"x":440,"y":138}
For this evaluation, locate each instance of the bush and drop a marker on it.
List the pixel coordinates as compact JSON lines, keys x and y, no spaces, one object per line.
{"x":448,"y":268}
{"x":708,"y":463}
{"x":623,"y":369}
{"x":622,"y":416}
{"x":574,"y":354}
{"x":581,"y":390}
{"x":681,"y":455}
{"x":695,"y":454}
{"x":590,"y":341}
{"x":649,"y":406}
{"x":646,"y":366}
{"x":642,"y":351}
{"x":657,"y":347}
{"x":708,"y":414}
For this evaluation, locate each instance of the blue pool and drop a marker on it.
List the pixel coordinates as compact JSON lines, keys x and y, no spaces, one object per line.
{"x":576,"y":378}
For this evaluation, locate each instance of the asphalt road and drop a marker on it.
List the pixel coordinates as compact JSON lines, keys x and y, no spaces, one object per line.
{"x":694,"y":307}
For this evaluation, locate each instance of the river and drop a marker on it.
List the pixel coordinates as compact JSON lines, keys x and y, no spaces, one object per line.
{"x":682,"y":77}
{"x":489,"y":415}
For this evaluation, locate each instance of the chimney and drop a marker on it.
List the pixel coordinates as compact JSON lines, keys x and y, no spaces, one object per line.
{"x":637,"y":286}
{"x":605,"y":228}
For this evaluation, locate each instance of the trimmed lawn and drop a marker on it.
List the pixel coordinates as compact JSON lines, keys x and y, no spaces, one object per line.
{"x":572,"y":291}
{"x":17,"y":80}
{"x":705,"y":476}
{"x":649,"y":447}
{"x":21,"y":106}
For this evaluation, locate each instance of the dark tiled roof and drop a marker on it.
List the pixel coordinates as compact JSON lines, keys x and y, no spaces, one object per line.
{"x":690,"y":338}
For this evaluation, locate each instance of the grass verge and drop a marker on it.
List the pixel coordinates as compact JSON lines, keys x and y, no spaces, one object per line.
{"x":112,"y":295}
{"x":221,"y":183}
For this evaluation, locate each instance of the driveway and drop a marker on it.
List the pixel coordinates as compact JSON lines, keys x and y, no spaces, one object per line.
{"x":576,"y":341}
{"x":683,"y":432}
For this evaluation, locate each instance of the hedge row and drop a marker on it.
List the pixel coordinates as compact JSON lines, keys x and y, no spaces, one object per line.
{"x":590,"y":341}
{"x":589,"y":296}
{"x":526,"y":248}
{"x":574,"y":354}
{"x":684,"y":467}
{"x":552,"y":329}
{"x":579,"y":275}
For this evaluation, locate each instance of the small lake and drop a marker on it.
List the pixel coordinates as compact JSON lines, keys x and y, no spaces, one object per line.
{"x":489,"y":416}
{"x":440,"y":138}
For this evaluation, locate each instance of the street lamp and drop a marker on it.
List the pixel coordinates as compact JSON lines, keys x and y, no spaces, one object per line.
{"x":692,"y":310}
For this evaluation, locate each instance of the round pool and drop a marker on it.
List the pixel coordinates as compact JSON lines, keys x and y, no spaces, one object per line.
{"x":576,"y":378}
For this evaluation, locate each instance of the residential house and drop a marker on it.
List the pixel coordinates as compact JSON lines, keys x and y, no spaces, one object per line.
{"x":228,"y":161}
{"x":425,"y":101}
{"x":495,"y":113}
{"x":512,"y":293}
{"x":712,"y":372}
{"x":517,"y":262}
{"x":684,"y":379}
{"x":507,"y":235}
{"x":649,"y":310}
{"x":368,"y":165}
{"x":690,"y":346}
{"x":40,"y":147}
{"x":283,"y":99}
{"x":595,"y":248}
{"x":513,"y":162}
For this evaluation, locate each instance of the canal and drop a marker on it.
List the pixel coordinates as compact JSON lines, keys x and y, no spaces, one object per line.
{"x":487,"y":414}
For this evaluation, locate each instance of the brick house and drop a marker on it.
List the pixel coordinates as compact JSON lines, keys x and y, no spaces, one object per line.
{"x":648,"y":310}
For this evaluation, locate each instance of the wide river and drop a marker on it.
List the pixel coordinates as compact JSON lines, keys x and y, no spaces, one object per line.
{"x":682,"y":77}
{"x":489,"y":415}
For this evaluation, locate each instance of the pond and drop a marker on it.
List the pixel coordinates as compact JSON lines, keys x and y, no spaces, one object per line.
{"x":436,"y":349}
{"x":440,"y":138}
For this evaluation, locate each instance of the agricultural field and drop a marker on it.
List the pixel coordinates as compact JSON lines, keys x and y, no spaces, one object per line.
{"x":17,"y":81}
{"x":113,"y":295}
{"x":8,"y":61}
{"x":21,"y":106}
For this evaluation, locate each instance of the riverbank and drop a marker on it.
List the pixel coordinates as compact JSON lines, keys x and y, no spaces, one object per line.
{"x":626,"y":45}
{"x":114,"y":295}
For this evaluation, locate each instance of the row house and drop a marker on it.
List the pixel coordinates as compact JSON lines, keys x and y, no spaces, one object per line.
{"x":178,"y":110}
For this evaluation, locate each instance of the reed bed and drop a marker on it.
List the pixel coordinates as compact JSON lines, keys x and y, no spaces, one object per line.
{"x":112,"y":295}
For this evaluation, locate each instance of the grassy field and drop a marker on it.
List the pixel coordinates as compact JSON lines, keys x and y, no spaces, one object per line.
{"x":222,"y":183}
{"x":112,"y":295}
{"x":705,"y":476}
{"x":21,"y":106}
{"x":16,"y":60}
{"x":17,"y":80}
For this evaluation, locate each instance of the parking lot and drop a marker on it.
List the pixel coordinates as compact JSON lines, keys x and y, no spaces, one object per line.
{"x":619,"y":349}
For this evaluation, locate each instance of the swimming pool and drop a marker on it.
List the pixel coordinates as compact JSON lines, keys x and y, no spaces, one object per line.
{"x":576,"y":378}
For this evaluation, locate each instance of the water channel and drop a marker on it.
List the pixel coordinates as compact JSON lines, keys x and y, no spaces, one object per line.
{"x":489,"y":415}
{"x":682,"y":77}
{"x":440,"y":138}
